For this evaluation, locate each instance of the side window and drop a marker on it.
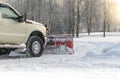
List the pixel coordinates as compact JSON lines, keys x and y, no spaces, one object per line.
{"x":8,"y":13}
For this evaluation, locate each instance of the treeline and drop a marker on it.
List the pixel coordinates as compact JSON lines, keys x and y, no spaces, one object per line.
{"x":70,"y":16}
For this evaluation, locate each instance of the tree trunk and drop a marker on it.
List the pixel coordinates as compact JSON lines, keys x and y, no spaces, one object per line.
{"x":78,"y":18}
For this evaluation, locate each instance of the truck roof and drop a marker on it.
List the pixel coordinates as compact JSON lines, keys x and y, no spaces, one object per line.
{"x":4,"y":3}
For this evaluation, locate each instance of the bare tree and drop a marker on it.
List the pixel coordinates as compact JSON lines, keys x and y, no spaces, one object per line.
{"x":70,"y":16}
{"x":78,"y":17}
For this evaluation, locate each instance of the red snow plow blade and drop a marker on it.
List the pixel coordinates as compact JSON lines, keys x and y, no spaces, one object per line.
{"x":60,"y":43}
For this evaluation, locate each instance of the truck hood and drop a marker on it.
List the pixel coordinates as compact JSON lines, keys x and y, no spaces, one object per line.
{"x":33,"y":22}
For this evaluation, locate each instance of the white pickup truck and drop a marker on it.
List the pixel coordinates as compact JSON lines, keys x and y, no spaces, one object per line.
{"x":17,"y":32}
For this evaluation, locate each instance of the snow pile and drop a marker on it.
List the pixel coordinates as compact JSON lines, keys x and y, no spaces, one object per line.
{"x":114,"y":50}
{"x":96,"y":46}
{"x":97,"y":49}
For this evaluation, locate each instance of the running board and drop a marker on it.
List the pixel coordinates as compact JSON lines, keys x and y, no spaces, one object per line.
{"x":13,"y":46}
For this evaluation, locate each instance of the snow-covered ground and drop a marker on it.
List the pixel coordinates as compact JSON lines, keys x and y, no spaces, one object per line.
{"x":95,"y":58}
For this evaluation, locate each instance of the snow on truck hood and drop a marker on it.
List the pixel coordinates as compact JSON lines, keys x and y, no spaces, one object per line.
{"x":33,"y":22}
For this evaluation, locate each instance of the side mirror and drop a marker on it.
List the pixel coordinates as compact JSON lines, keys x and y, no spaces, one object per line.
{"x":20,"y":19}
{"x":25,"y":16}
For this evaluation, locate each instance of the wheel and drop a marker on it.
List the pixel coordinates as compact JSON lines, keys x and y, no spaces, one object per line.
{"x":35,"y":46}
{"x":4,"y":51}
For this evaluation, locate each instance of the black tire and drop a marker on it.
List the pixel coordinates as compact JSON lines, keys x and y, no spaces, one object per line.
{"x":4,"y":51}
{"x":35,"y":46}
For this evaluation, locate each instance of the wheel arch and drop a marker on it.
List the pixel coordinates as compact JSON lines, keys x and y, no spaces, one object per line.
{"x":37,"y":33}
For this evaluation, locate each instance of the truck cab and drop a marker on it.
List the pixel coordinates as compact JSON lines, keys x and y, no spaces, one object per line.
{"x":16,"y":30}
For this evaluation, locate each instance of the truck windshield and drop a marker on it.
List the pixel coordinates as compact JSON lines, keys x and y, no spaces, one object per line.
{"x":8,"y":13}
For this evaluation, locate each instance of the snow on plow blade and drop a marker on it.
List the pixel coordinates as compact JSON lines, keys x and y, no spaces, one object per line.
{"x":60,"y":44}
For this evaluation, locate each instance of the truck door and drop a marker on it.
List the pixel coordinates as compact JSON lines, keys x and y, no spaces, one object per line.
{"x":11,"y":30}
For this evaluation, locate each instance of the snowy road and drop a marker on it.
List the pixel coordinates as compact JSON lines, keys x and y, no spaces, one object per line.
{"x":95,"y":58}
